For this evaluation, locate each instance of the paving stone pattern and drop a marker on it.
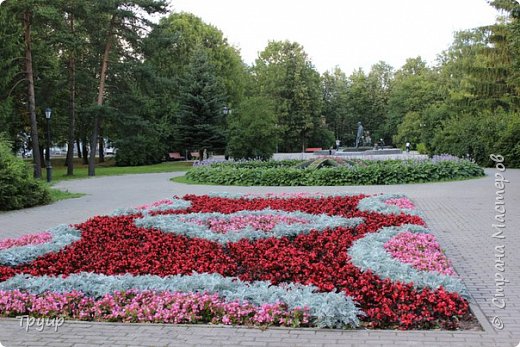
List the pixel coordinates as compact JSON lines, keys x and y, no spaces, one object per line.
{"x":460,"y":214}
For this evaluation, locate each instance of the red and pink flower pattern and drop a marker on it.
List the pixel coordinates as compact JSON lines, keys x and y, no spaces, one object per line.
{"x":114,"y":245}
{"x":420,"y":250}
{"x":257,"y":222}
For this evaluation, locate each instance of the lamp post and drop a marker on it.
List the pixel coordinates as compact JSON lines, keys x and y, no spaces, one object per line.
{"x":48,"y":113}
{"x":226,"y":111}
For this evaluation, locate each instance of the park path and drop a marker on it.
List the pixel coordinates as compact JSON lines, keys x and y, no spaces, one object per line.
{"x":460,"y":214}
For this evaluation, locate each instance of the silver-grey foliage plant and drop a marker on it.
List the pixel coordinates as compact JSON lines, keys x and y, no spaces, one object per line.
{"x":186,"y":224}
{"x":369,"y":253}
{"x":61,"y":236}
{"x":333,"y":310}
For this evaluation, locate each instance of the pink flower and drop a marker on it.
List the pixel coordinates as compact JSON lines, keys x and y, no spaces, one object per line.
{"x":32,"y":239}
{"x":257,"y":222}
{"x":155,"y":204}
{"x":403,"y":203}
{"x":421,"y":251}
{"x":150,"y":306}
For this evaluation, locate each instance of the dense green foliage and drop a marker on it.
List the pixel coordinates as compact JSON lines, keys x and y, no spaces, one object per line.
{"x":199,"y":74}
{"x":252,"y":130}
{"x":139,"y":150}
{"x":284,"y":73}
{"x":290,"y":173}
{"x":201,"y":123}
{"x":18,"y":189}
{"x":167,"y":85}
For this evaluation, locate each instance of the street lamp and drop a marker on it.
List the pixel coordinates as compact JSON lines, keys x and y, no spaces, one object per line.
{"x":48,"y":113}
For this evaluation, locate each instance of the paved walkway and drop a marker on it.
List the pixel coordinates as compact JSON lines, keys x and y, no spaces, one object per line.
{"x":461,"y":215}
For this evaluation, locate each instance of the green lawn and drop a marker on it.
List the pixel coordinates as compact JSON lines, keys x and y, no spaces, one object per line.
{"x":108,"y":168}
{"x":183,"y":179}
{"x":57,"y":195}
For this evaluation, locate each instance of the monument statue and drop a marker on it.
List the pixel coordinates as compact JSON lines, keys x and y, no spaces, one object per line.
{"x":359,"y":137}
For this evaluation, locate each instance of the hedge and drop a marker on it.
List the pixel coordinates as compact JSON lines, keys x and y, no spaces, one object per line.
{"x":362,"y":172}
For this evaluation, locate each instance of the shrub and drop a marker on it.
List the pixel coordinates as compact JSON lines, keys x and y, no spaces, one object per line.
{"x":421,"y":148}
{"x":18,"y":188}
{"x":479,"y":135}
{"x":139,"y":150}
{"x":361,"y":172}
{"x":509,"y":143}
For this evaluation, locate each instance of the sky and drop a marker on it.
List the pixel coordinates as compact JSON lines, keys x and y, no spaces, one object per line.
{"x":345,"y":33}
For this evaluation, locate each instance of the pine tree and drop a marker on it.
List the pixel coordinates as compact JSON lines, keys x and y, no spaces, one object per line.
{"x":124,"y":17}
{"x":201,"y":123}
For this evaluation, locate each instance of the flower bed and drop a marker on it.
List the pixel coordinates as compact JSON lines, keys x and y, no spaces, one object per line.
{"x":338,"y":261}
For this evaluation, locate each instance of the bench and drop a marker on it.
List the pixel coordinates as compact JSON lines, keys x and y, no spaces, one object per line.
{"x":175,"y":156}
{"x":194,"y":155}
{"x":312,"y":149}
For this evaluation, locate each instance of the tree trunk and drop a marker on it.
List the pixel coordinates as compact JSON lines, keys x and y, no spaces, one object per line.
{"x":41,"y":152}
{"x":101,"y":93}
{"x":72,"y":105}
{"x":101,"y":145}
{"x":78,"y":147}
{"x":72,"y":111}
{"x":85,"y":150}
{"x":30,"y":93}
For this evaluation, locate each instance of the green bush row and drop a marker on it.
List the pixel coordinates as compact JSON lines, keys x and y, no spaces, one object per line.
{"x":18,"y":188}
{"x":371,"y":172}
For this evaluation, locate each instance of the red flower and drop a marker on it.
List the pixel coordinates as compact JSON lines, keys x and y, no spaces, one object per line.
{"x":114,"y":245}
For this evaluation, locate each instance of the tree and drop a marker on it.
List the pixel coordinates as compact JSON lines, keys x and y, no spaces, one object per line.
{"x":284,"y":73}
{"x":27,"y":22}
{"x":201,"y":121}
{"x":170,"y":46}
{"x":39,"y":70}
{"x":409,"y":130}
{"x":24,"y":11}
{"x":124,"y":19}
{"x":12,"y":96}
{"x":138,"y":128}
{"x":479,"y":79}
{"x":357,"y":98}
{"x":71,"y":10}
{"x":471,"y":134}
{"x":335,"y":86}
{"x":414,"y":88}
{"x":379,"y":82}
{"x":252,"y":130}
{"x":509,"y":143}
{"x":360,"y":104}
